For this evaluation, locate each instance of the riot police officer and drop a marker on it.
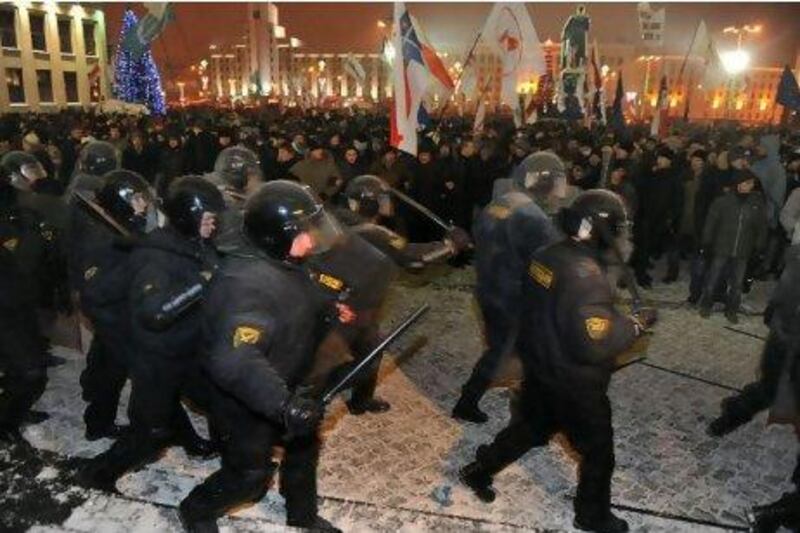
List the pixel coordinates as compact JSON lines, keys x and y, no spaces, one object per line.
{"x":26,"y":250}
{"x":96,"y":159}
{"x":237,"y":173}
{"x":506,"y":233}
{"x":103,"y":291}
{"x":570,"y":335}
{"x":170,"y":269}
{"x":263,"y":319}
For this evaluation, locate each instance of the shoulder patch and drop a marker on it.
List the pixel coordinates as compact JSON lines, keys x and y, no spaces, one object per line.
{"x":541,"y":274}
{"x":47,"y":235}
{"x":498,"y":211}
{"x":11,"y":244}
{"x":90,"y":273}
{"x":246,"y":335}
{"x":398,"y":243}
{"x":331,"y":282}
{"x":597,"y":327}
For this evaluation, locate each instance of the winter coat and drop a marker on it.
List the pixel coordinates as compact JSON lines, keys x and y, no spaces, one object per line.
{"x":322,"y":176}
{"x":772,"y":176}
{"x":736,"y":226}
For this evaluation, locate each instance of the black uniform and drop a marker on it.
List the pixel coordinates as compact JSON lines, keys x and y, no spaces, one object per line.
{"x":101,"y":274}
{"x":506,"y":233}
{"x":169,"y":274}
{"x":26,"y":248}
{"x":570,"y":334}
{"x":356,"y":271}
{"x":261,"y":325}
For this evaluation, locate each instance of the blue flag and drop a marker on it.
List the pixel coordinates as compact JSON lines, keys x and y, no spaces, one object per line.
{"x":788,"y":94}
{"x":617,"y":120}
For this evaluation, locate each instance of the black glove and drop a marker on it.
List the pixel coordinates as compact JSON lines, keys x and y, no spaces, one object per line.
{"x":459,"y":238}
{"x":301,"y":414}
{"x":646,"y":317}
{"x":768,"y":312}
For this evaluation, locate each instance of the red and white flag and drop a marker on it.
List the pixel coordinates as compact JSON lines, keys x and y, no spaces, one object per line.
{"x":410,"y":77}
{"x":658,"y":127}
{"x":510,"y":33}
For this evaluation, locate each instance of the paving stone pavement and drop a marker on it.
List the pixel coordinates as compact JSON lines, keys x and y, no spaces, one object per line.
{"x":397,"y":471}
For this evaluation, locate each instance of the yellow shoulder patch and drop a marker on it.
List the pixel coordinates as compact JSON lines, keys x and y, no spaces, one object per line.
{"x":47,"y":235}
{"x":597,"y":327}
{"x":90,"y":273}
{"x":498,"y":211}
{"x":332,"y":283}
{"x":11,"y":244}
{"x":541,"y":274}
{"x":398,"y":243}
{"x":246,"y":335}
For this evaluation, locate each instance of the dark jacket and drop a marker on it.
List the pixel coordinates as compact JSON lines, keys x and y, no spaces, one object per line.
{"x":736,"y":226}
{"x":169,"y":274}
{"x":570,"y":331}
{"x":171,"y":164}
{"x":143,"y":162}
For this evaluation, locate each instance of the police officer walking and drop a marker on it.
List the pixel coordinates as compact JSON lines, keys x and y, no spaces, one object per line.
{"x":170,"y":269}
{"x":570,"y":335}
{"x":506,"y":233}
{"x":263,"y":319}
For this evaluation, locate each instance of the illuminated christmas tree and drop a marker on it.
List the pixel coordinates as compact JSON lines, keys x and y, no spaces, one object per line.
{"x":136,"y":76}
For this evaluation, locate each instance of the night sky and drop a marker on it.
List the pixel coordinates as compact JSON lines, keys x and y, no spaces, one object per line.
{"x":344,"y":27}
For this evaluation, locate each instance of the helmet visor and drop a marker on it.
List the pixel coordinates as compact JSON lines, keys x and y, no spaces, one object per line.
{"x":33,"y":171}
{"x":323,"y":230}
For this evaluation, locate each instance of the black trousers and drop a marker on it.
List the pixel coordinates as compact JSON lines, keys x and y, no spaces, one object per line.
{"x":247,"y":441}
{"x":364,"y":341}
{"x":500,"y":331}
{"x":22,"y":359}
{"x":102,"y":381}
{"x":730,"y":270}
{"x":158,"y":420}
{"x":583,"y":412}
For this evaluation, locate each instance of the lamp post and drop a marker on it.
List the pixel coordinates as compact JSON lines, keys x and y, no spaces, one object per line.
{"x":736,"y":62}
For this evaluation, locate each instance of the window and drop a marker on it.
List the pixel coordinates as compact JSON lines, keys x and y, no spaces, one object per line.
{"x":8,"y":29}
{"x":88,"y":38}
{"x":37,"y":32}
{"x":16,"y":90}
{"x":44,"y":82}
{"x":94,"y":89}
{"x":65,"y":35}
{"x":71,"y":86}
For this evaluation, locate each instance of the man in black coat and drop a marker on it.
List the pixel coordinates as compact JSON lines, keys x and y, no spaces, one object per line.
{"x":263,"y":320}
{"x":170,"y":269}
{"x":570,"y":336}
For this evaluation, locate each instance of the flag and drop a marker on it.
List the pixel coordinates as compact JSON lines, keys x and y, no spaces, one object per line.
{"x":480,"y":115}
{"x":432,"y":61}
{"x":788,"y":94}
{"x":510,"y":33}
{"x":617,"y":115}
{"x":352,"y":66}
{"x":410,"y":77}
{"x":651,"y":24}
{"x":150,"y":26}
{"x":703,"y":46}
{"x":658,"y":127}
{"x":598,"y":100}
{"x":95,"y":72}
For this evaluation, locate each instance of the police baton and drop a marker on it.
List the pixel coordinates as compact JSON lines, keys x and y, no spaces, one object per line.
{"x":99,"y":211}
{"x":365,"y":362}
{"x":422,"y":209}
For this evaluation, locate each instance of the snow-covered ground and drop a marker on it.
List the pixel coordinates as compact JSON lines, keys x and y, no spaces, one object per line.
{"x":397,"y":471}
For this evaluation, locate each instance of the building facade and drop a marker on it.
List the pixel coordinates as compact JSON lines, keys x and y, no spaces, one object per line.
{"x":325,"y":76}
{"x":52,"y":55}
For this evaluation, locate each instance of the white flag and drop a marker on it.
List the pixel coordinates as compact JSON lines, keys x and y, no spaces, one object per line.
{"x":510,"y":33}
{"x":651,"y":24}
{"x":480,"y":115}
{"x":703,"y":47}
{"x":353,"y":67}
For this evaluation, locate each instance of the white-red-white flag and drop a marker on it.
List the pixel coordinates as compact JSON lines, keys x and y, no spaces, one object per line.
{"x":658,"y":127}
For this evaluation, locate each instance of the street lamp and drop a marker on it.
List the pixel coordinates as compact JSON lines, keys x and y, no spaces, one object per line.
{"x":735,"y":62}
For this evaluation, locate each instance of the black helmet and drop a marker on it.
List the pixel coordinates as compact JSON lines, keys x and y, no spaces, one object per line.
{"x":597,"y":216}
{"x":121,"y":188}
{"x":367,"y":194}
{"x":98,"y":158}
{"x":280,"y":211}
{"x":23,"y":168}
{"x":234,"y":164}
{"x":540,"y":173}
{"x":187,"y":199}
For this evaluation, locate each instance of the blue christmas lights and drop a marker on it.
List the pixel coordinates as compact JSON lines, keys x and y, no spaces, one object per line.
{"x":137,"y":79}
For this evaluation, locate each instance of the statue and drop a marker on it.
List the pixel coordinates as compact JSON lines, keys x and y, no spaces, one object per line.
{"x":573,"y":60}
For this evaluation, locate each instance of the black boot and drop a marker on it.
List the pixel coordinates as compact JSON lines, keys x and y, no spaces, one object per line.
{"x":467,"y":409}
{"x":109,"y":432}
{"x":731,"y":419}
{"x":475,"y":477}
{"x":610,"y":524}
{"x":768,"y":518}
{"x":371,"y":405}
{"x":197,"y":526}
{"x":95,"y":476}
{"x":319,"y":525}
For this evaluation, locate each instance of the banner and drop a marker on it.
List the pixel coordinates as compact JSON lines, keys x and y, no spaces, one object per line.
{"x":150,"y":26}
{"x":651,"y":24}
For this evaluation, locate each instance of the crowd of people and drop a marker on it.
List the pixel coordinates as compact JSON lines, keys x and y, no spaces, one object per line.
{"x":188,"y":233}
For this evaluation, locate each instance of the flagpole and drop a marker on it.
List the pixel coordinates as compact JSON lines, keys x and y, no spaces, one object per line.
{"x":460,"y":77}
{"x":689,"y":51}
